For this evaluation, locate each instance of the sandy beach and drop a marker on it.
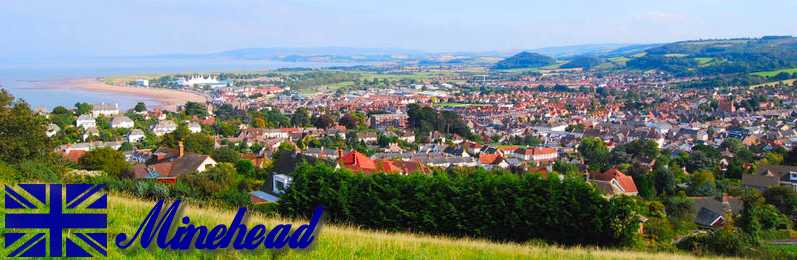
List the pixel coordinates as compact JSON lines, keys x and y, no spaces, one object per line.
{"x":167,"y":98}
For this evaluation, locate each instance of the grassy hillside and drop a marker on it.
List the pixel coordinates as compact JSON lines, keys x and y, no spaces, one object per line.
{"x":709,"y":57}
{"x":341,"y":242}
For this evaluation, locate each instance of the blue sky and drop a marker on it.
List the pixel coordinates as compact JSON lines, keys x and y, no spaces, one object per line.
{"x":140,"y":27}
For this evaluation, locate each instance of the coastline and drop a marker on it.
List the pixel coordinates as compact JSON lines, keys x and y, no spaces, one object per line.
{"x":168,"y":99}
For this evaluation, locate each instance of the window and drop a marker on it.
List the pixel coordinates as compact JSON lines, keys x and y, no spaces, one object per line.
{"x":281,"y":183}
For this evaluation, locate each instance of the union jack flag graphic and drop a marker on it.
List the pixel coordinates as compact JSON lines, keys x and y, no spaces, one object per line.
{"x":55,"y":220}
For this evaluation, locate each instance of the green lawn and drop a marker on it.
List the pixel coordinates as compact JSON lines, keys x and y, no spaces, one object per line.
{"x":774,"y":72}
{"x":342,"y":242}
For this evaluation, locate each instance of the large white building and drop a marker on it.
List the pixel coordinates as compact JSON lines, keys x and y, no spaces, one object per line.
{"x":122,"y":122}
{"x":105,"y":109}
{"x":86,"y":121}
{"x":164,"y":127}
{"x":202,"y":80}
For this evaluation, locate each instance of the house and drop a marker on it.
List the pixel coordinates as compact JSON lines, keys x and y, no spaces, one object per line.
{"x":710,"y":212}
{"x":122,"y":122}
{"x":769,"y":176}
{"x":490,"y":160}
{"x":104,"y":110}
{"x":382,"y":121}
{"x":169,"y":170}
{"x":164,"y":127}
{"x":135,"y":135}
{"x":86,"y":121}
{"x":91,"y":131}
{"x":52,"y":130}
{"x":539,"y":155}
{"x":613,"y":182}
{"x":357,"y":162}
{"x":194,"y":127}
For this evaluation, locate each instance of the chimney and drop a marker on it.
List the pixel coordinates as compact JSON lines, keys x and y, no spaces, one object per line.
{"x":182,"y":149}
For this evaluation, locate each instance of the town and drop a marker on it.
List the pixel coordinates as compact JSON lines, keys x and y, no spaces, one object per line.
{"x":696,"y":158}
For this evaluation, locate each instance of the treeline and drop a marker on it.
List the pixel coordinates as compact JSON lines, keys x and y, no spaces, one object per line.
{"x":426,"y":120}
{"x":317,"y":78}
{"x":492,"y":205}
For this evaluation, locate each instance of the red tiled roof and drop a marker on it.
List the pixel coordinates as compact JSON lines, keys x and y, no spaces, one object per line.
{"x":357,"y":162}
{"x":625,"y":181}
{"x":485,"y":158}
{"x":74,"y":155}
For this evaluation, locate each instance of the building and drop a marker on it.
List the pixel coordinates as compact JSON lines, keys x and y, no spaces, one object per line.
{"x":204,"y":81}
{"x":769,"y":176}
{"x":86,"y":121}
{"x":540,"y":155}
{"x":382,"y":121}
{"x":168,"y":170}
{"x":613,"y":182}
{"x":194,"y":127}
{"x":164,"y":127}
{"x":122,"y":122}
{"x":135,"y":135}
{"x":141,"y":83}
{"x":104,"y":109}
{"x":52,"y":130}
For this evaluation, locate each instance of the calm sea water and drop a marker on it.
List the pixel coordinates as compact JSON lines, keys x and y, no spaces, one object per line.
{"x":41,"y":82}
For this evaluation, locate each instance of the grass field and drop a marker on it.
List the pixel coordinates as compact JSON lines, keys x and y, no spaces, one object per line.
{"x":774,"y":72}
{"x":343,"y":242}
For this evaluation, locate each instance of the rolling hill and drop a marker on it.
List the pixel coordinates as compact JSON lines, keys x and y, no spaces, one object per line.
{"x":342,"y":242}
{"x":729,"y":56}
{"x":525,"y":60}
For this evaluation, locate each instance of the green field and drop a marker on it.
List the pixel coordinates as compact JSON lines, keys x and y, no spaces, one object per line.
{"x":774,"y":72}
{"x":343,"y":242}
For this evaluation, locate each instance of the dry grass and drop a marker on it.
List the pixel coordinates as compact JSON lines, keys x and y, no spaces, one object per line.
{"x":345,"y":242}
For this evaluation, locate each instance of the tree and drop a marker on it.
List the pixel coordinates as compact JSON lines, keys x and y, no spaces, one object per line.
{"x":83,"y":108}
{"x":664,"y":180}
{"x":22,"y":133}
{"x":323,"y":121}
{"x":703,"y":183}
{"x":349,"y":121}
{"x":140,"y":107}
{"x":783,"y":198}
{"x":594,"y":152}
{"x":196,"y":109}
{"x":105,"y":159}
{"x":199,"y":143}
{"x":300,"y":117}
{"x":245,"y":167}
{"x":226,"y":154}
{"x":566,"y":168}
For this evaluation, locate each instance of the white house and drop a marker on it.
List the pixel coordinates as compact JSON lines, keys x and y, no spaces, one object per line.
{"x":194,"y":127}
{"x":135,"y":135}
{"x":105,"y":109}
{"x":86,"y":121}
{"x":91,"y":131}
{"x":52,"y":130}
{"x":141,"y":83}
{"x":164,"y":127}
{"x":122,"y":122}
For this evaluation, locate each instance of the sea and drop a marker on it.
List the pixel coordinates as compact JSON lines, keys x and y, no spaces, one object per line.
{"x":42,"y":82}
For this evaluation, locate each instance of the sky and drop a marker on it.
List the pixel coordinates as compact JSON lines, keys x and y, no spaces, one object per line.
{"x":87,"y":28}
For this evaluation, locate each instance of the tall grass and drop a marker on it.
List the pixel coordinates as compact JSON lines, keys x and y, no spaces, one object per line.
{"x":341,"y":242}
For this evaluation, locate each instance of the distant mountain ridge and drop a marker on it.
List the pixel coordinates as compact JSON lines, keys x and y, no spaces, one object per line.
{"x":525,"y":60}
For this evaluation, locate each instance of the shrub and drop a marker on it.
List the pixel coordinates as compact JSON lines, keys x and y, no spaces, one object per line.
{"x":497,"y":206}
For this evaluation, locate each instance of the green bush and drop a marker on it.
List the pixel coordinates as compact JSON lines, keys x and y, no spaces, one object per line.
{"x":497,"y":206}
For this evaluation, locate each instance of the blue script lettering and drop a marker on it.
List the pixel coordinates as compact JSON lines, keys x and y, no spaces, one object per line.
{"x":156,"y":226}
